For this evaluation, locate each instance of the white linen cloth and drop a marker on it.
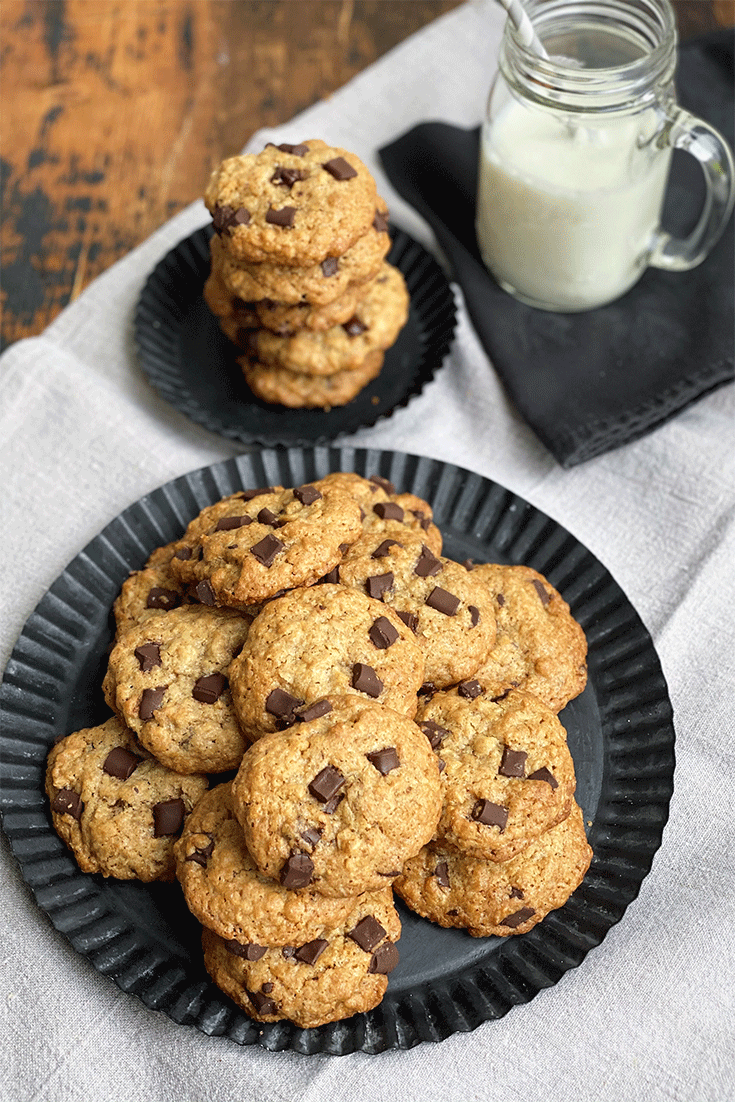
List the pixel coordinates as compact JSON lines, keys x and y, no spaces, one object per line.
{"x":651,"y":1012}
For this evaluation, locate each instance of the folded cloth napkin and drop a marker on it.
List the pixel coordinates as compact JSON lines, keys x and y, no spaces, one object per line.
{"x":589,"y":382}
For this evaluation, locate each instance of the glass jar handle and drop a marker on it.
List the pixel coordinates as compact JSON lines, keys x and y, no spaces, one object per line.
{"x":693,"y":135}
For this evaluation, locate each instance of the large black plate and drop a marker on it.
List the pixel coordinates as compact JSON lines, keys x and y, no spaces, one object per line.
{"x":189,"y":361}
{"x":620,"y":734}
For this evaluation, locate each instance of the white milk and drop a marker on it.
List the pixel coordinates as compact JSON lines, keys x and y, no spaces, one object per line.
{"x":566,"y":215}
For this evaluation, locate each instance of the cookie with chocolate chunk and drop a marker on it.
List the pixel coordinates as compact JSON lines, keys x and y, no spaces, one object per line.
{"x":356,"y":790}
{"x":167,"y":679}
{"x":540,"y":647}
{"x":225,"y":891}
{"x":448,"y":611}
{"x":341,"y":972}
{"x":500,"y":898}
{"x":321,"y":642}
{"x":386,"y":512}
{"x":296,"y":204}
{"x":507,"y":772}
{"x":245,"y":548}
{"x":118,"y":809}
{"x":279,"y":386}
{"x":315,"y":284}
{"x":151,"y":591}
{"x":378,"y":318}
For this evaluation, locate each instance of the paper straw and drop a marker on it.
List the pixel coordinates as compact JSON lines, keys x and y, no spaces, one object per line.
{"x":519,"y":18}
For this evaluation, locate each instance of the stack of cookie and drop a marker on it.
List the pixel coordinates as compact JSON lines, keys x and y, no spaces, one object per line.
{"x":392,"y":719}
{"x":298,"y":279}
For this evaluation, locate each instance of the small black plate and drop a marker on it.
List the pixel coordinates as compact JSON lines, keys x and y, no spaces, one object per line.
{"x":191,"y":364}
{"x":620,"y":733}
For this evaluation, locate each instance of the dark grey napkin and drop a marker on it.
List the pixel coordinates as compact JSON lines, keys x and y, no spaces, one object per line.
{"x":587,"y":383}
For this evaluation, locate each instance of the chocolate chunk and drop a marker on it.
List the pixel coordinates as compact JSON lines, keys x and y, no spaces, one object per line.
{"x":380,"y":222}
{"x":68,"y":802}
{"x":518,"y":918}
{"x":251,"y":951}
{"x":150,"y":701}
{"x":543,"y":774}
{"x":248,"y":495}
{"x":281,"y":704}
{"x":340,"y":169}
{"x":469,"y":564}
{"x":388,"y":510}
{"x":204,"y":593}
{"x":470,"y":690}
{"x":512,"y":763}
{"x":330,"y":266}
{"x":267,"y":516}
{"x":516,"y":893}
{"x":267,"y":988}
{"x":427,"y":689}
{"x":410,"y":619}
{"x":503,"y":695}
{"x":209,"y":689}
{"x":326,"y":784}
{"x":162,"y":598}
{"x":354,"y":327}
{"x":378,"y":585}
{"x":148,"y":655}
{"x":383,"y":483}
{"x":314,"y":711}
{"x":383,"y":960}
{"x":288,"y":176}
{"x":283,"y":217}
{"x":288,"y":952}
{"x":168,"y":817}
{"x":500,"y":599}
{"x":266,"y":550}
{"x":474,"y":615}
{"x":183,"y":553}
{"x":384,"y":760}
{"x":226,"y":524}
{"x":307,"y":494}
{"x":434,"y":732}
{"x":121,"y":763}
{"x":441,"y":872}
{"x":442,"y":601}
{"x":382,"y":550}
{"x":331,"y":806}
{"x":310,"y":953}
{"x":224,"y":218}
{"x":367,"y":933}
{"x":490,"y":814}
{"x":297,"y":150}
{"x":201,"y":856}
{"x":263,"y":1004}
{"x":332,"y":578}
{"x":365,"y":680}
{"x":427,"y":564}
{"x":298,"y":871}
{"x":442,"y":764}
{"x":382,"y":633}
{"x":311,"y":835}
{"x":543,"y":593}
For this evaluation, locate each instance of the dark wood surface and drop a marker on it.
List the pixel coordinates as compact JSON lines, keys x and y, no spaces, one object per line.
{"x":115,"y":111}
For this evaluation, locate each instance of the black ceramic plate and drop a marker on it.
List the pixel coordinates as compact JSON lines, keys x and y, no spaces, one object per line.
{"x":193,"y":366}
{"x":620,"y":734}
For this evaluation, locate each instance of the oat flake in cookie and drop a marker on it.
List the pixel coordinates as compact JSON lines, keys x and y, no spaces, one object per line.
{"x":500,"y":898}
{"x":317,"y":643}
{"x":117,"y":808}
{"x":356,"y":790}
{"x":342,"y":972}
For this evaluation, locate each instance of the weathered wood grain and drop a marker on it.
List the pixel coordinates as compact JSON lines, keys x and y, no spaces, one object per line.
{"x":115,"y":112}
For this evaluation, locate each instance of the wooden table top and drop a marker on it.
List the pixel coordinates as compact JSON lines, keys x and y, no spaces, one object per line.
{"x":116,"y":112}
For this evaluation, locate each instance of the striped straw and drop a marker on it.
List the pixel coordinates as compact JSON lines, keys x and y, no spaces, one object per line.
{"x":519,"y":18}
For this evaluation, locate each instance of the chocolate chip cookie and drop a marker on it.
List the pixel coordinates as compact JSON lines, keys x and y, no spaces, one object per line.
{"x":117,"y":808}
{"x":507,"y":772}
{"x":348,"y":796}
{"x":500,"y":898}
{"x":540,"y":647}
{"x":167,"y":679}
{"x":449,"y":612}
{"x":279,"y":386}
{"x":151,"y":591}
{"x":317,"y":643}
{"x":296,"y":204}
{"x":342,"y":972}
{"x":385,"y":512}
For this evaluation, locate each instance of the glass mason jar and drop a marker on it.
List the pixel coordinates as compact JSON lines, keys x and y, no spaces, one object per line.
{"x":576,"y":150}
